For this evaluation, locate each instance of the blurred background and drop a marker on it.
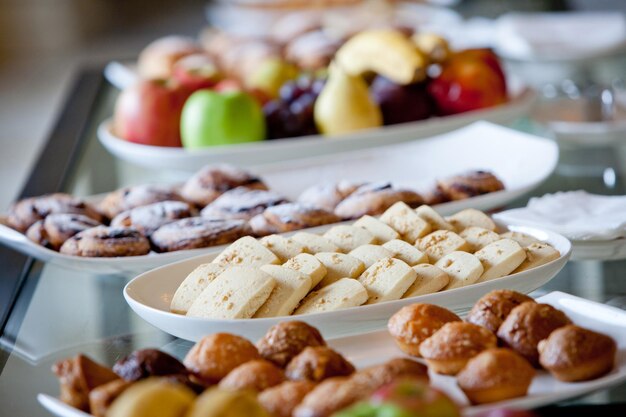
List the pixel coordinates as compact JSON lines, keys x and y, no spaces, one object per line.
{"x":43,"y":42}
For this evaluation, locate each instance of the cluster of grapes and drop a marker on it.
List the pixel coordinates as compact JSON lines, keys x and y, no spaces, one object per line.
{"x":291,"y":114}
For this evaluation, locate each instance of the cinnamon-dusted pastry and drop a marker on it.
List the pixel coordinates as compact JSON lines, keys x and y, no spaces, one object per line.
{"x":56,"y":228}
{"x":78,"y":376}
{"x":492,"y":308}
{"x":527,"y":325}
{"x":288,"y":217}
{"x":414,"y":323}
{"x":214,"y":180}
{"x":448,"y":350}
{"x":468,"y":185}
{"x":327,"y":196}
{"x":287,"y":339}
{"x":241,"y":203}
{"x":281,"y":400}
{"x":128,"y":198}
{"x":148,"y":218}
{"x":374,"y":199}
{"x":318,"y":363}
{"x":256,"y":375}
{"x":436,"y":196}
{"x":101,"y":397}
{"x":329,"y":396}
{"x":145,"y":363}
{"x":214,"y":356}
{"x":572,"y":353}
{"x":106,"y":242}
{"x":495,"y":375}
{"x":376,"y":376}
{"x":196,"y":232}
{"x":26,"y":212}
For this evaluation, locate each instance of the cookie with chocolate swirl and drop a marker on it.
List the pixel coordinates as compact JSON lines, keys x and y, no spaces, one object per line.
{"x":107,"y":242}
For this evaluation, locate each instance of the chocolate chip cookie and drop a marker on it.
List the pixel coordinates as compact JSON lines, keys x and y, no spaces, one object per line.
{"x":56,"y":228}
{"x":197,"y":232}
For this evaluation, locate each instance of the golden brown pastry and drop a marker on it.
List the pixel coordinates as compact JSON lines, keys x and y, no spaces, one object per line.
{"x":196,"y":232}
{"x":288,"y":217}
{"x":286,"y":340}
{"x":214,"y":356}
{"x":128,"y":198}
{"x":330,"y":396}
{"x":148,"y":218}
{"x":256,"y":375}
{"x":374,"y":199}
{"x":448,"y":350}
{"x":527,"y":325}
{"x":573,"y":353}
{"x":492,"y":308}
{"x":495,"y":375}
{"x":101,"y":397}
{"x":468,"y":185}
{"x":78,"y":376}
{"x":26,"y":212}
{"x":327,"y":196}
{"x":241,"y":203}
{"x":414,"y":323}
{"x":281,"y":400}
{"x":318,"y":363}
{"x":106,"y":242}
{"x":56,"y":228}
{"x":214,"y":180}
{"x":376,"y":376}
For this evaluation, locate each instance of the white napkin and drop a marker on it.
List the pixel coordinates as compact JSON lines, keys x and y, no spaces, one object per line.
{"x":568,"y":35}
{"x":577,"y":215}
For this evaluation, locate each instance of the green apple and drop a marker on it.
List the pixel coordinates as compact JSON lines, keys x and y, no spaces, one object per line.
{"x":212,"y":118}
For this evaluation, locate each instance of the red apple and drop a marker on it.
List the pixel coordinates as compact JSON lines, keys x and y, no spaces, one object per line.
{"x":469,"y":80}
{"x":149,"y":113}
{"x":417,"y":398}
{"x":196,"y":72}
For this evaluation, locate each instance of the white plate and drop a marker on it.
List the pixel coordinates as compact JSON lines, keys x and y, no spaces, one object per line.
{"x":379,"y":346}
{"x":522,"y":161}
{"x":150,"y":294}
{"x":278,"y":150}
{"x":602,"y":250}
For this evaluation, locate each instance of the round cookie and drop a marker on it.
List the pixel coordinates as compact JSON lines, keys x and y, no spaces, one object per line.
{"x":56,"y":228}
{"x":128,"y":198}
{"x":148,"y":218}
{"x":374,"y":199}
{"x":289,"y":217}
{"x":106,"y":242}
{"x":328,"y":196}
{"x":492,"y":308}
{"x":318,"y":363}
{"x":196,"y":232}
{"x":287,"y":339}
{"x":241,"y":203}
{"x":469,"y":185}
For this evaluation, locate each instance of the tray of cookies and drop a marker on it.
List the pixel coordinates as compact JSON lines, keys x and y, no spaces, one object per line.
{"x":427,"y":361}
{"x":347,"y":279}
{"x":140,"y":227}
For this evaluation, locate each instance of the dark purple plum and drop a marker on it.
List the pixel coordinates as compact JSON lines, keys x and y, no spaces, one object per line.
{"x":401,"y":103}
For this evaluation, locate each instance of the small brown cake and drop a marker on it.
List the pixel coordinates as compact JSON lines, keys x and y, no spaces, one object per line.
{"x":56,"y":228}
{"x":78,"y":376}
{"x":215,"y":356}
{"x":214,"y":180}
{"x":196,"y":232}
{"x":471,"y":184}
{"x":527,"y":325}
{"x":128,"y":198}
{"x":329,"y":396}
{"x":287,"y":339}
{"x":106,"y":242}
{"x":145,"y":363}
{"x":374,"y":199}
{"x":241,"y":203}
{"x":572,"y":353}
{"x":493,"y":307}
{"x":148,"y":218}
{"x":448,"y":350}
{"x":256,"y":375}
{"x":281,"y":400}
{"x":26,"y":212}
{"x":288,"y":217}
{"x":318,"y":363}
{"x":414,"y":323}
{"x":376,"y":376}
{"x":495,"y":375}
{"x":101,"y":397}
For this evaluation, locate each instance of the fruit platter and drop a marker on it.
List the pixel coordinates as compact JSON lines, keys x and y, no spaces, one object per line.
{"x":244,"y":100}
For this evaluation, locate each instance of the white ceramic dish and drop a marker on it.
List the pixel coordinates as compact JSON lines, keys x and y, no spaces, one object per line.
{"x":150,"y":294}
{"x":599,"y":250}
{"x":283,"y":149}
{"x":522,"y":161}
{"x":376,"y":347}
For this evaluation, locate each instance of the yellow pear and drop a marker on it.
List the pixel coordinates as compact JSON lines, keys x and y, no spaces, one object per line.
{"x":216,"y":402}
{"x":152,"y":397}
{"x":344,"y":105}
